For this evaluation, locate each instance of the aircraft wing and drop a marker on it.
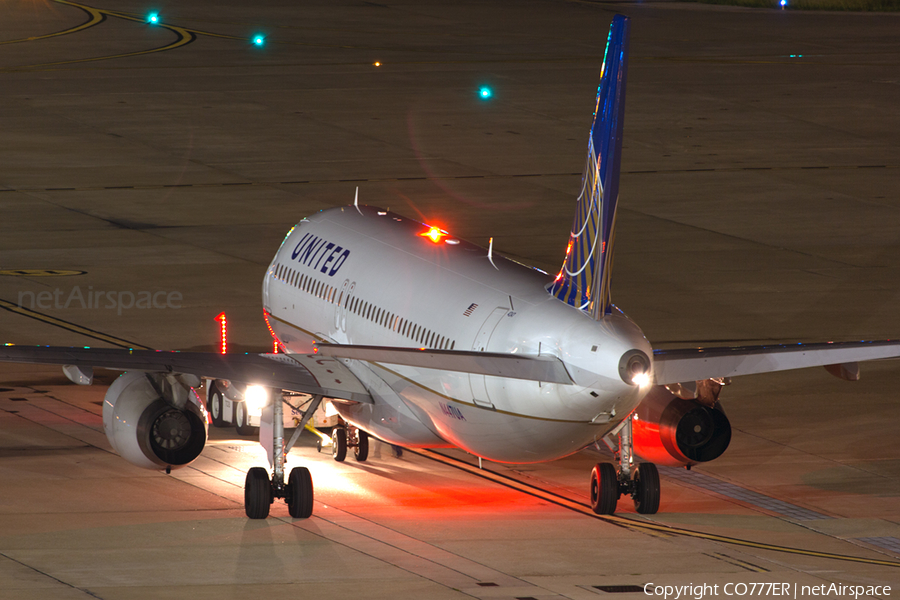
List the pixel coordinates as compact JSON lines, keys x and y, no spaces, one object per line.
{"x":548,"y":369}
{"x":696,"y":364}
{"x":308,"y":374}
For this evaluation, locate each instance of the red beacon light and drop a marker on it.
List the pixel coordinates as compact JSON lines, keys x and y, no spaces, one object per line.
{"x":435,"y":234}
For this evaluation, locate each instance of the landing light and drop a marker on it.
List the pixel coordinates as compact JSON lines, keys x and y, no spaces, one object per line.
{"x":641,"y":379}
{"x":153,"y":18}
{"x":256,"y":397}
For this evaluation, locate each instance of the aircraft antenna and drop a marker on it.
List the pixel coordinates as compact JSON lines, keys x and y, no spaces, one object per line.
{"x":356,"y":201}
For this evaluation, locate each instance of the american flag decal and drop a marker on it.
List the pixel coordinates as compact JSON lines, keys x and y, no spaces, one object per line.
{"x":470,"y":310}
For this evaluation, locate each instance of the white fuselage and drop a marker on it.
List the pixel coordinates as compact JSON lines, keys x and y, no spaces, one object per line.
{"x":368,"y":277}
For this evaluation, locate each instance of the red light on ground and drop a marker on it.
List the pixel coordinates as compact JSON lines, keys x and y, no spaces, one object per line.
{"x":224,"y":332}
{"x":434,"y":234}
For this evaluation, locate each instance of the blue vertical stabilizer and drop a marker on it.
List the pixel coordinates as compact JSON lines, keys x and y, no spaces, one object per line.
{"x":583,"y":281}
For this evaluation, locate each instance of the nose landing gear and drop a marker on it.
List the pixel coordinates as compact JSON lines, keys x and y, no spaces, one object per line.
{"x":345,"y":436}
{"x":640,"y":481}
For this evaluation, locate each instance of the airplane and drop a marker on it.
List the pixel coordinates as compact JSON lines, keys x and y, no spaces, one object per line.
{"x":422,"y":339}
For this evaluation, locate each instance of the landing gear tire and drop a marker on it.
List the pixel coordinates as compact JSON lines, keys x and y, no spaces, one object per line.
{"x":339,"y":444}
{"x":216,"y":407}
{"x":242,"y":420}
{"x":300,"y":493}
{"x":257,"y":493}
{"x":646,"y":489}
{"x":361,"y":450}
{"x":604,"y":489}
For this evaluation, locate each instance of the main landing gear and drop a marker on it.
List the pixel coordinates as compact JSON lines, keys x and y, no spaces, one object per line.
{"x":260,"y":491}
{"x":640,"y":481}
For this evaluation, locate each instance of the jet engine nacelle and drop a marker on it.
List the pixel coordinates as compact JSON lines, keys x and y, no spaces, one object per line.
{"x":155,"y":420}
{"x":676,"y":432}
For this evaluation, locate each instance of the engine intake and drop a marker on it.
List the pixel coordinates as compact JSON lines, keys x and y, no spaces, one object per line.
{"x":673,"y":431}
{"x":154,"y":421}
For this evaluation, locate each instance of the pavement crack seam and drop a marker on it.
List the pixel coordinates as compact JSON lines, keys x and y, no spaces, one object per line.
{"x":49,"y":576}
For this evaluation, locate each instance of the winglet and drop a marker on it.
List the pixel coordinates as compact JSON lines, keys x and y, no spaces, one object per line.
{"x":583,"y":280}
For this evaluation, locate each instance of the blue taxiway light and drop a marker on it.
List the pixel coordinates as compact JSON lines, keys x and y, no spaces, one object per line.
{"x":485,"y":93}
{"x":258,"y":40}
{"x":153,"y":18}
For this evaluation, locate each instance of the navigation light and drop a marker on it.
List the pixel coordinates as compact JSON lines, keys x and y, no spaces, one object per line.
{"x":258,"y":40}
{"x":485,"y":93}
{"x":153,"y":18}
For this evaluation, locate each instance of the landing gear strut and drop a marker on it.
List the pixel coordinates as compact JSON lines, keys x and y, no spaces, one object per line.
{"x":640,"y":481}
{"x":260,"y":492}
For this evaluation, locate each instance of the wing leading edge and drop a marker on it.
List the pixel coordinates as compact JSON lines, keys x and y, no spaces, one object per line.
{"x":696,"y":364}
{"x":309,"y":374}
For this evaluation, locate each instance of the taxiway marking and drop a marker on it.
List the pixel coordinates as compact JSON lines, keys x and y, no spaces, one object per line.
{"x":645,"y":526}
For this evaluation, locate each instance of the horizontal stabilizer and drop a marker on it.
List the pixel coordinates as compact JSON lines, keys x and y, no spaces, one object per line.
{"x":548,"y":369}
{"x":695,"y":364}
